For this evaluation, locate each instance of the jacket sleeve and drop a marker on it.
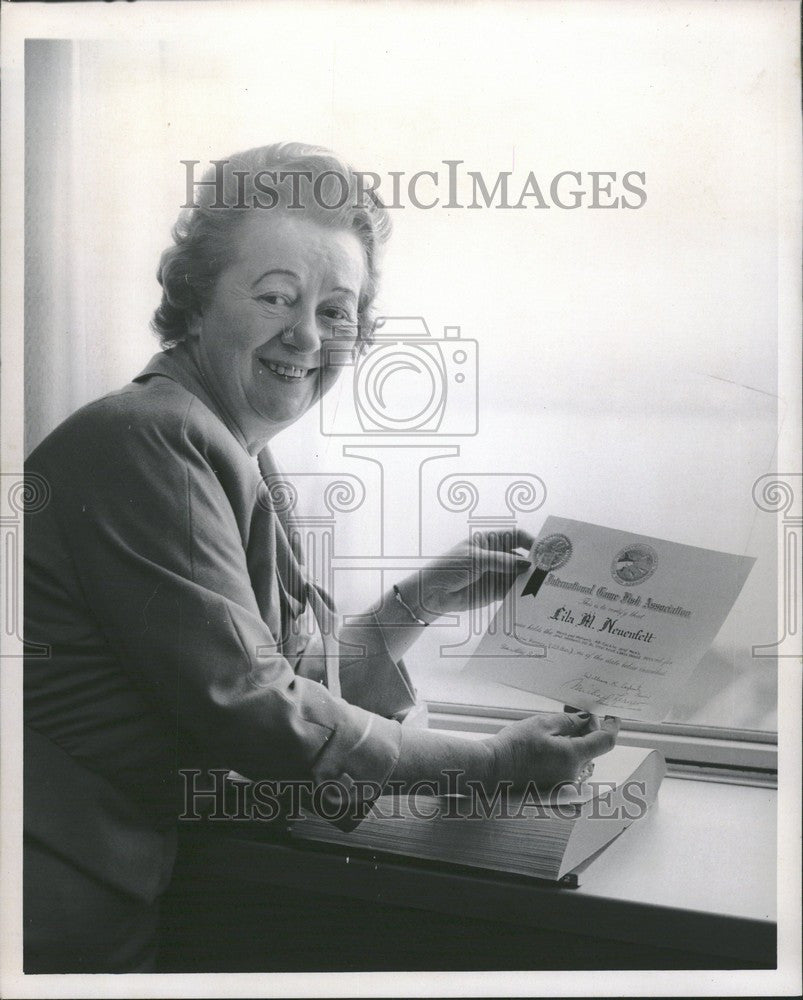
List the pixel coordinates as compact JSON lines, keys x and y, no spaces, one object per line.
{"x":159,"y":553}
{"x":369,"y":676}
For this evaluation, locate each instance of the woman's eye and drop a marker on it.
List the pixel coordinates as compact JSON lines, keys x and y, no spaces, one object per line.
{"x":336,"y":314}
{"x":275,"y":299}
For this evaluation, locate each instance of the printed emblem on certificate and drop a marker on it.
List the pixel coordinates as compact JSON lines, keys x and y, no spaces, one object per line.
{"x":634,"y":564}
{"x":609,"y":621}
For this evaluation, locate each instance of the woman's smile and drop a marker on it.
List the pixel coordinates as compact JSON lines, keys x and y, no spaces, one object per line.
{"x":287,"y":373}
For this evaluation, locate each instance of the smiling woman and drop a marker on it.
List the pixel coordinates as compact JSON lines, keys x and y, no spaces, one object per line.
{"x":265,"y":286}
{"x":259,"y":337}
{"x":183,"y":629}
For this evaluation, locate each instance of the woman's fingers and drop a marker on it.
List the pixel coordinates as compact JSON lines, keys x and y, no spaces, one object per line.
{"x":491,"y":571}
{"x":486,"y":553}
{"x":600,"y":740}
{"x":494,"y":561}
{"x":593,"y":720}
{"x":572,"y":723}
{"x":476,"y":572}
{"x":524,"y":540}
{"x":514,"y":538}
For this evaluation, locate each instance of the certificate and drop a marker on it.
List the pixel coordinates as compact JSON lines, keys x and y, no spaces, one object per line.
{"x":608,"y":621}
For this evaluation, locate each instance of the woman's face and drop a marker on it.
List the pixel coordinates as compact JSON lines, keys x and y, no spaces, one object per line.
{"x":292,"y":284}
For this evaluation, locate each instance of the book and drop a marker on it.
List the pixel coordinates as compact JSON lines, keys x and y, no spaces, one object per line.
{"x":544,"y":836}
{"x":609,"y":621}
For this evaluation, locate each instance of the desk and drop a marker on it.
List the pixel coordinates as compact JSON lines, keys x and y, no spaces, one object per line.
{"x":692,"y":885}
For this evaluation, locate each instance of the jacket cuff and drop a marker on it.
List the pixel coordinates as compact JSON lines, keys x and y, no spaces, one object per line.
{"x":354,"y":765}
{"x":373,"y":680}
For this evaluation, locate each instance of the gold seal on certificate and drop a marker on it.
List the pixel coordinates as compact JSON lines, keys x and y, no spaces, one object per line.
{"x":609,"y":621}
{"x":551,"y":552}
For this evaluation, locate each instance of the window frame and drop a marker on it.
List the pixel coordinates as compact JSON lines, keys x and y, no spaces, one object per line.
{"x":740,"y":756}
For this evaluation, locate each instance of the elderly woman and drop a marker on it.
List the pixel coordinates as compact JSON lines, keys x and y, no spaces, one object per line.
{"x":161,"y":588}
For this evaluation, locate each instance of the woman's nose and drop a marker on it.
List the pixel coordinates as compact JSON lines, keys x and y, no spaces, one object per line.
{"x":304,"y":334}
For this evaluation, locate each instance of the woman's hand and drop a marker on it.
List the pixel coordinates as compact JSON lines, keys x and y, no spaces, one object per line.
{"x":470,"y":575}
{"x":548,"y":749}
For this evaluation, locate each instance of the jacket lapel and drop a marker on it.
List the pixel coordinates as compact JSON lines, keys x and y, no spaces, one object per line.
{"x":273,"y":563}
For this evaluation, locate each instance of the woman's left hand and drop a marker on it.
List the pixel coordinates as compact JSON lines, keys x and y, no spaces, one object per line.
{"x":474,"y":573}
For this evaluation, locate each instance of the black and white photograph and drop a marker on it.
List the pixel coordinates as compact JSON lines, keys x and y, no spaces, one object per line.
{"x":401,"y":498}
